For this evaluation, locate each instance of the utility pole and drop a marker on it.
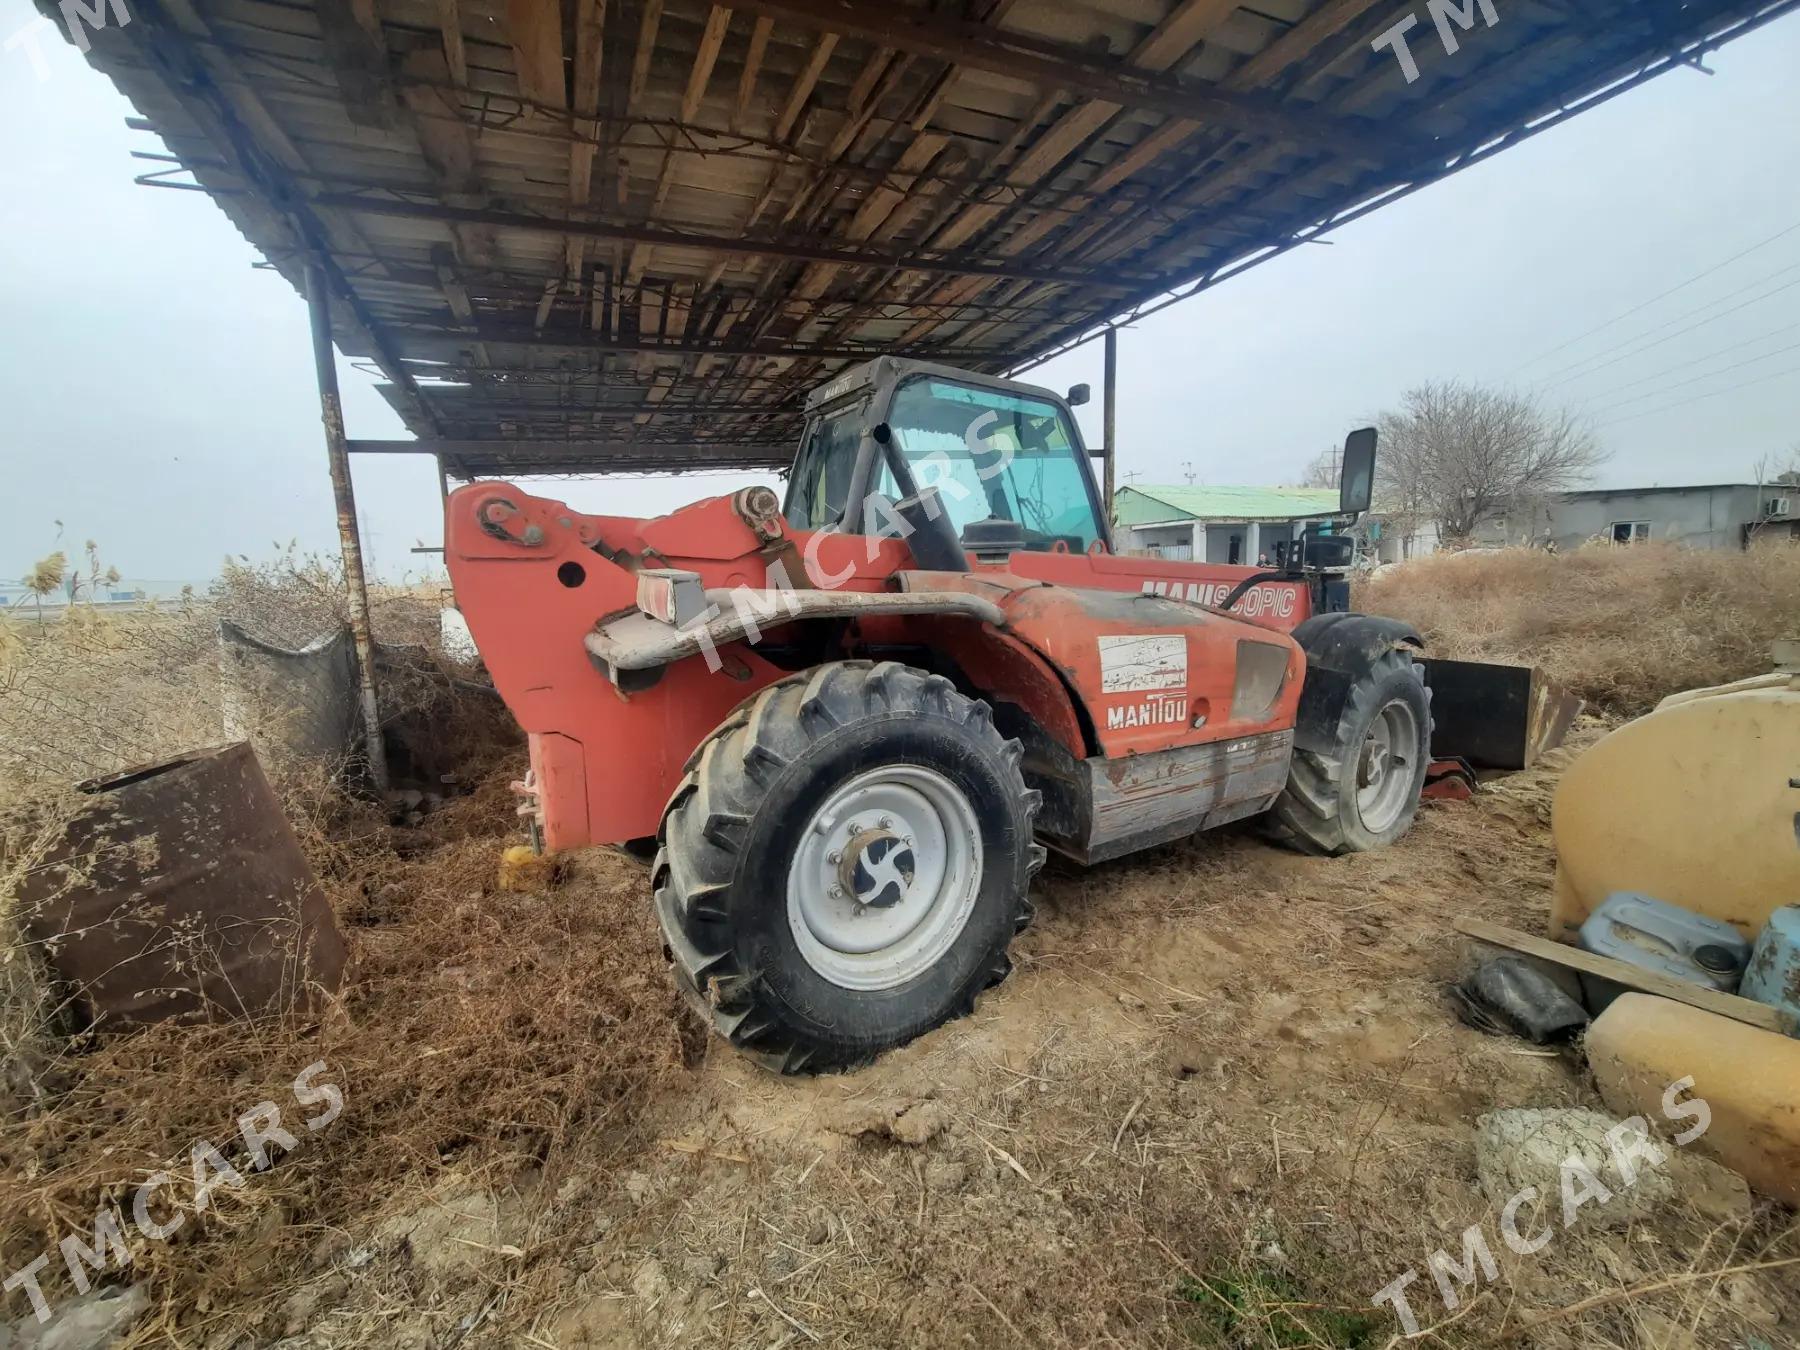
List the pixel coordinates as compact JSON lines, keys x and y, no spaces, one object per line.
{"x":1109,"y":424}
{"x":331,"y":413}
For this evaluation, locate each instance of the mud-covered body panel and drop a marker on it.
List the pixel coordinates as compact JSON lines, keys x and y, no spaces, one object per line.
{"x":1106,"y":669}
{"x":1150,"y":673}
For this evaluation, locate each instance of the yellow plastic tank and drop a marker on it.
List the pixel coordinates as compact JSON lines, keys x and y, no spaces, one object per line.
{"x":1695,"y":803}
{"x":1748,"y":1078}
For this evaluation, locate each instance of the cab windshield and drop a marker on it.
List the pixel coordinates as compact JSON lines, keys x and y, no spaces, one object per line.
{"x":1006,"y":461}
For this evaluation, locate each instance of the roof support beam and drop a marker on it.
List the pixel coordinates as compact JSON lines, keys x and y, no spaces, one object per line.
{"x":753,"y":59}
{"x":802,"y":250}
{"x":187,"y":58}
{"x":440,"y":445}
{"x":537,"y":45}
{"x":804,"y":84}
{"x":455,"y":53}
{"x":1050,"y":65}
{"x":331,"y":414}
{"x":554,"y":339}
{"x":590,"y":25}
{"x":351,"y":32}
{"x":524,"y":455}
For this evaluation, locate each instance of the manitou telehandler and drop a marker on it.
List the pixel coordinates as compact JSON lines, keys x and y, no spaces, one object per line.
{"x":850,"y":727}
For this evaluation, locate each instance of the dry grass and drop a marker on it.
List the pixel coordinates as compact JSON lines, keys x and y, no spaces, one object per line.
{"x":1622,"y":627}
{"x":476,"y":1032}
{"x":94,"y":691}
{"x":480,"y":1035}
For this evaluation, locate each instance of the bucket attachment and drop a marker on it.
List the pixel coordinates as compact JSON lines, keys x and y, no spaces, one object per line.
{"x":1496,"y":716}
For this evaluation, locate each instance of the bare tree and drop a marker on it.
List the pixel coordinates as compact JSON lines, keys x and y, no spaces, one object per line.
{"x":1322,"y":470}
{"x":1778,"y":470}
{"x":1462,"y":455}
{"x":1776,"y":475}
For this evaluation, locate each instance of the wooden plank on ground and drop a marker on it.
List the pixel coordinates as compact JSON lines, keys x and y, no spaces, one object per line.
{"x":1745,"y":1010}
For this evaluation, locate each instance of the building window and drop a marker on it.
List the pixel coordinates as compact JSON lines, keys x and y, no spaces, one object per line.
{"x":1630,"y":531}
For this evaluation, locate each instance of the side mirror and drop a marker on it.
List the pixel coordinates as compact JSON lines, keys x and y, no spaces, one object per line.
{"x":1356,"y":484}
{"x":1079,"y":394}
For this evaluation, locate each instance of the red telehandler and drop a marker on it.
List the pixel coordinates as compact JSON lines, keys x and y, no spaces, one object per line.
{"x":849,"y":728}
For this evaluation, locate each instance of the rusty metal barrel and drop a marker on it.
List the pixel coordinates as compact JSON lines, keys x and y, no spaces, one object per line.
{"x":179,"y":890}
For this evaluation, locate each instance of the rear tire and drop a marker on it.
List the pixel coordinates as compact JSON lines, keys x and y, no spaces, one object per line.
{"x":1362,"y":791}
{"x":844,"y":865}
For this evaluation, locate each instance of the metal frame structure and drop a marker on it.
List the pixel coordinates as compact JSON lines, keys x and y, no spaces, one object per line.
{"x":581,"y":235}
{"x":604,"y":235}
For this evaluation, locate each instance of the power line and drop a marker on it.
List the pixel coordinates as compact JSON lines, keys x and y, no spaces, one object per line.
{"x":1682,"y":384}
{"x":1699,"y":323}
{"x":1779,"y":234}
{"x":1575,"y":368}
{"x":1700,"y":398}
{"x":1694,"y":361}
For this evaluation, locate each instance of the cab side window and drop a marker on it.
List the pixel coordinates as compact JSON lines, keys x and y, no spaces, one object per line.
{"x":822,"y":474}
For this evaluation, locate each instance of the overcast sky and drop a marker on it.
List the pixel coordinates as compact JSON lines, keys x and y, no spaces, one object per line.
{"x":160,"y":399}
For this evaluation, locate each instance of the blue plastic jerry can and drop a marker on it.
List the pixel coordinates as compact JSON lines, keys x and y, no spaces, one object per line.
{"x":1652,"y":934}
{"x":1773,"y":975}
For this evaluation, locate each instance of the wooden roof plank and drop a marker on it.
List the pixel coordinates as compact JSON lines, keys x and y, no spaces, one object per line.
{"x":1050,"y":66}
{"x":646,"y":48}
{"x":455,"y":53}
{"x":753,"y":60}
{"x":803,"y":86}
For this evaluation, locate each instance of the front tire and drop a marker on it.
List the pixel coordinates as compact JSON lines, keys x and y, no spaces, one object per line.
{"x":1360,"y":791}
{"x":844,"y":864}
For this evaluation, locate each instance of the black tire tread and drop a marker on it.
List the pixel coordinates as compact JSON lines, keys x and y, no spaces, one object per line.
{"x":1307,"y":816}
{"x":710,"y":811}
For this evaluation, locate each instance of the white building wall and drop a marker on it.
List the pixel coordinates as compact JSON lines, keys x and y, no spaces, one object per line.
{"x":1396,"y":546}
{"x":1173,"y":540}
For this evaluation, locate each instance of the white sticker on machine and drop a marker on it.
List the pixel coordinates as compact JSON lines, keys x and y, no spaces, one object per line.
{"x":1129,"y":665}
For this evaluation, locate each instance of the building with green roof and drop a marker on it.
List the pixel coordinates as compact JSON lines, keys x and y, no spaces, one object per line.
{"x":1217,"y":524}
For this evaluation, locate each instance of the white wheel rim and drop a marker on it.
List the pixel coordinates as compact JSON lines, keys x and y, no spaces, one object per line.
{"x":884,"y":877}
{"x":1385,"y":765}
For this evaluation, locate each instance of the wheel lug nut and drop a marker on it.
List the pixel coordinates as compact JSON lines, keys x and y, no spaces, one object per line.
{"x":834,"y":858}
{"x":836,"y":892}
{"x":886,"y":823}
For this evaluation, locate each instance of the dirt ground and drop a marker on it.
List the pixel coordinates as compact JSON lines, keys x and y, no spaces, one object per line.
{"x":1221,"y":1101}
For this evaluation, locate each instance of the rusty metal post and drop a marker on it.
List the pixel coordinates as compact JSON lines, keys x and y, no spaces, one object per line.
{"x":1109,"y":425}
{"x":331,"y":412}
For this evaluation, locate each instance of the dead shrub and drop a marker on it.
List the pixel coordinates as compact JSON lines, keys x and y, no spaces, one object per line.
{"x":1622,"y":627}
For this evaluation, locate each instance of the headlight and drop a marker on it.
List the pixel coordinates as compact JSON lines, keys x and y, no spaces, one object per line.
{"x":669,"y":594}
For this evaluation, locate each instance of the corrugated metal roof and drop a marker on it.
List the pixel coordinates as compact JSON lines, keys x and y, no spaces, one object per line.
{"x":579,"y":234}
{"x":1139,"y":504}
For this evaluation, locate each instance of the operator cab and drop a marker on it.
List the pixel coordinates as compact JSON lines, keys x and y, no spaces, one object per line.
{"x":989,"y":466}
